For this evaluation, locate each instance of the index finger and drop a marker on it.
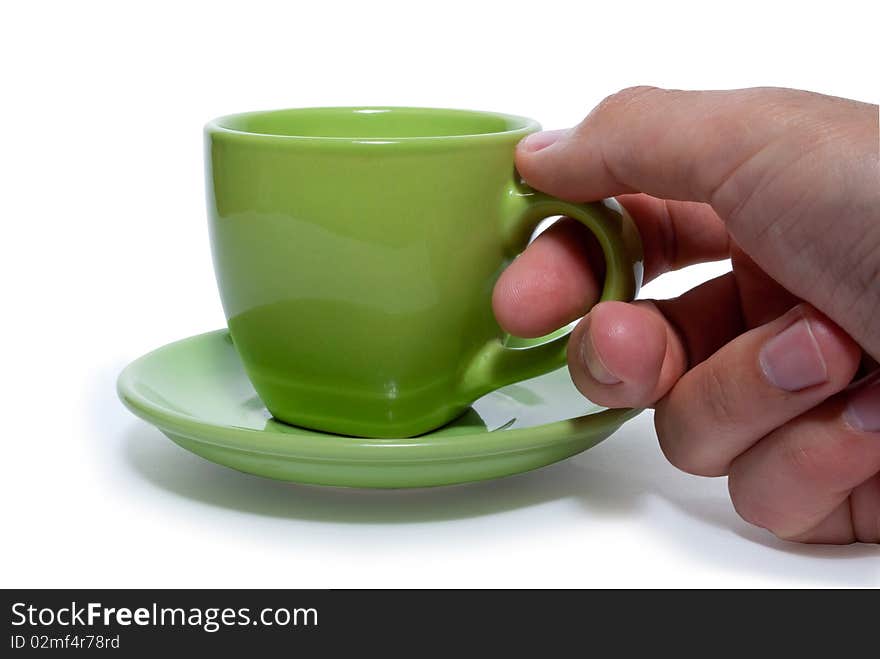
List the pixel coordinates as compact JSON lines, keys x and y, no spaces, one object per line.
{"x":672,"y":144}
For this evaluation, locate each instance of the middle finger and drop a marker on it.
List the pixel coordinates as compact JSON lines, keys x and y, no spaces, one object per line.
{"x":751,"y":386}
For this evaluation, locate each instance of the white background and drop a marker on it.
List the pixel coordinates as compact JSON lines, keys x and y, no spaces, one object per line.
{"x":105,"y":256}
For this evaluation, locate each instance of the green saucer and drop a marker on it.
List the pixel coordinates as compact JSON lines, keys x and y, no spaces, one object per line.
{"x":196,"y":392}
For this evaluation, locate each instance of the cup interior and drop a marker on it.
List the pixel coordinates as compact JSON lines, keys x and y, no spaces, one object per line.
{"x":373,"y":123}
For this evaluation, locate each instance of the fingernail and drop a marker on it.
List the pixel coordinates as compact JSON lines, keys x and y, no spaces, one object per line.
{"x":538,"y":141}
{"x":593,"y":362}
{"x":863,"y":410}
{"x":791,"y":360}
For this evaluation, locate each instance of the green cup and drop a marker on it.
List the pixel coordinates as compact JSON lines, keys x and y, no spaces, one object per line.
{"x":356,"y":250}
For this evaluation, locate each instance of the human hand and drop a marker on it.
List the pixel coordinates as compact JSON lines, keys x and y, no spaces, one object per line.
{"x":750,"y":373}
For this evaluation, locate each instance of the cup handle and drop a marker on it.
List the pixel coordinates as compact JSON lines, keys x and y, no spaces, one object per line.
{"x":503,"y":362}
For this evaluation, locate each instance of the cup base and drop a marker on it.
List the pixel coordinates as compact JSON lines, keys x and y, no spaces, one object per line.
{"x":353,"y":414}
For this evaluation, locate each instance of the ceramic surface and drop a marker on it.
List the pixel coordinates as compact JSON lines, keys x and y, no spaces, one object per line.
{"x":356,"y":250}
{"x":196,"y":392}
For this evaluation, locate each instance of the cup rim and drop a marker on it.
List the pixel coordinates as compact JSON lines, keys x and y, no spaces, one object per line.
{"x":520,"y":126}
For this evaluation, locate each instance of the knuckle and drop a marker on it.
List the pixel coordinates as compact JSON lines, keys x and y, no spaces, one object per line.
{"x":630,"y":94}
{"x":809,"y":465}
{"x":739,"y":496}
{"x":747,"y":505}
{"x":683,"y":447}
{"x":665,"y":436}
{"x":819,"y":458}
{"x":692,"y":425}
{"x":804,"y":462}
{"x":625,"y":98}
{"x":719,"y":397}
